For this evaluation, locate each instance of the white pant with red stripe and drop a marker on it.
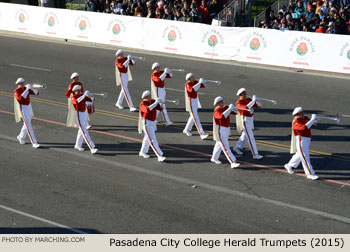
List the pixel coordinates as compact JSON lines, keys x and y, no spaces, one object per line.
{"x":83,"y":132}
{"x":164,"y":112}
{"x":223,"y":145}
{"x":302,"y":155}
{"x":124,"y":92}
{"x":247,"y":135}
{"x":194,"y":118}
{"x":26,"y":113}
{"x":149,"y":130}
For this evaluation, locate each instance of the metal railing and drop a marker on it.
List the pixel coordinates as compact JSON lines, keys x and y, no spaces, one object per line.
{"x":227,"y":16}
{"x":77,"y":4}
{"x":275,"y":7}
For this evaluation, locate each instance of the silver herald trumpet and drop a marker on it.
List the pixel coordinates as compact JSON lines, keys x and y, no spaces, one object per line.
{"x":176,"y":101}
{"x":104,"y":95}
{"x":329,"y":118}
{"x":265,"y":99}
{"x":43,"y":86}
{"x":214,"y":81}
{"x":177,"y":70}
{"x":139,"y":58}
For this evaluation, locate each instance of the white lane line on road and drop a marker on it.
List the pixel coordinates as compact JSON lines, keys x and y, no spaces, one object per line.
{"x":195,"y":182}
{"x":183,"y":91}
{"x":41,"y":219}
{"x":29,"y":67}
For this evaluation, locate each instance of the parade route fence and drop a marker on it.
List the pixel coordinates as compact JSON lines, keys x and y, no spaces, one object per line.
{"x":322,"y":52}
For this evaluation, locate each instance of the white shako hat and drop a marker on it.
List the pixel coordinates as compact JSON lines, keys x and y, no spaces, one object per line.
{"x":145,"y":94}
{"x":76,"y":88}
{"x":74,"y":75}
{"x":297,"y":110}
{"x":19,"y":80}
{"x":217,"y":100}
{"x":240,"y":91}
{"x":120,"y":51}
{"x":155,"y":64}
{"x":189,"y":75}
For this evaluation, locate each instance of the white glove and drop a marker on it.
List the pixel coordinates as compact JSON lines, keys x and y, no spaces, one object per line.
{"x":313,"y":117}
{"x":231,"y":107}
{"x":29,"y":86}
{"x":202,"y":81}
{"x":159,"y":100}
{"x":254,"y":98}
{"x":129,"y":57}
{"x":166,"y":70}
{"x":87,"y":93}
{"x":312,"y":121}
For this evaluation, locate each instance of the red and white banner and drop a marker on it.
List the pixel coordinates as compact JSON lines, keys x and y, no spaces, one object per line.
{"x":270,"y":47}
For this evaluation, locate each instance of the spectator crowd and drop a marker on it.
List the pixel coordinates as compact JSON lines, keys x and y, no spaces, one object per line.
{"x":325,"y":16}
{"x":199,"y":11}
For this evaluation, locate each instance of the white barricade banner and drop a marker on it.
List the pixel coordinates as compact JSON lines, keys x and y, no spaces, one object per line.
{"x":322,"y":52}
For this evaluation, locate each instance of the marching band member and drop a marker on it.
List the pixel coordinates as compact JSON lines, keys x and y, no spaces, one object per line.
{"x":300,"y":143}
{"x":192,"y":105}
{"x":78,"y":101}
{"x":123,"y":76}
{"x":71,"y":117}
{"x":245,"y":122}
{"x":158,"y":90}
{"x":147,"y":124}
{"x":221,"y":131}
{"x":23,"y":109}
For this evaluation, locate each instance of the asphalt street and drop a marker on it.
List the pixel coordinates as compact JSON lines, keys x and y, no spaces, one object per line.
{"x":56,"y":189}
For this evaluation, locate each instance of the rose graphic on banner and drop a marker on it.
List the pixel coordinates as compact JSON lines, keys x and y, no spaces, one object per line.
{"x":254,"y":44}
{"x":116,"y":29}
{"x":212,"y":41}
{"x":51,"y":21}
{"x":172,"y":36}
{"x":21,"y":17}
{"x":302,"y":49}
{"x":82,"y":25}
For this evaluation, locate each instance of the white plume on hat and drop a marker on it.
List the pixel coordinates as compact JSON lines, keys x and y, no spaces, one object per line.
{"x":240,"y":91}
{"x":74,"y":75}
{"x":189,"y":75}
{"x":145,"y":94}
{"x":19,"y":80}
{"x":297,"y":110}
{"x":120,"y":51}
{"x":155,"y":64}
{"x":76,"y":88}
{"x":217,"y":100}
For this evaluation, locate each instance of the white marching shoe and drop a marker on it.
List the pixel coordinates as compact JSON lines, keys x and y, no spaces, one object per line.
{"x":93,"y":151}
{"x":312,"y":177}
{"x":36,"y":145}
{"x":187,"y":133}
{"x":235,"y":165}
{"x":88,"y":126}
{"x":133,"y":109}
{"x":216,"y":161}
{"x":144,"y":155}
{"x":21,"y":141}
{"x":204,"y":136}
{"x":289,"y":169}
{"x":238,"y":151}
{"x":119,"y":106}
{"x":257,"y":156}
{"x":79,"y":148}
{"x":161,"y":158}
{"x":169,"y":123}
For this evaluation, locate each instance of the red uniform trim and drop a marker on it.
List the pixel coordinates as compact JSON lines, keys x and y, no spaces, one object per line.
{"x":150,"y":139}
{"x":25,"y":123}
{"x":250,"y":142}
{"x":125,"y":94}
{"x":228,"y":156}
{"x":302,"y":154}
{"x":87,"y":141}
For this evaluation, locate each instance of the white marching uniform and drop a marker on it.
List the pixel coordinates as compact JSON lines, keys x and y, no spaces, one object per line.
{"x":247,"y":134}
{"x":122,"y":79}
{"x":221,"y":137}
{"x":149,"y":139}
{"x":158,"y":92}
{"x":194,"y":118}
{"x":302,"y":155}
{"x":83,"y":133}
